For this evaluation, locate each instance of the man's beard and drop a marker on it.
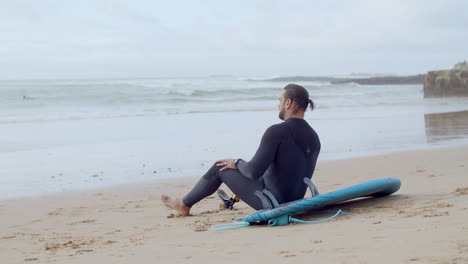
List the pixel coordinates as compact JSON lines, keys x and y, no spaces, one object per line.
{"x":281,"y":114}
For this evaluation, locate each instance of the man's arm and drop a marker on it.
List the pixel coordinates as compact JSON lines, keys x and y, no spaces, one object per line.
{"x":264,"y":156}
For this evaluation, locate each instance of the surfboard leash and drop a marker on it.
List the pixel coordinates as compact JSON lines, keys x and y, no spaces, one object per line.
{"x":277,"y":221}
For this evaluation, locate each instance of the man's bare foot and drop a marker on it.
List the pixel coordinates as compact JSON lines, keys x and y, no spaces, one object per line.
{"x":176,"y":204}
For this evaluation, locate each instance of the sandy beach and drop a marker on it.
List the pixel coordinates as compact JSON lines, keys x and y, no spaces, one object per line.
{"x":106,"y":107}
{"x":424,"y":222}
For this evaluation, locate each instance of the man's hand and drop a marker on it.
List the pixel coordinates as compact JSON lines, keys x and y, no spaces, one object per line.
{"x":226,"y":164}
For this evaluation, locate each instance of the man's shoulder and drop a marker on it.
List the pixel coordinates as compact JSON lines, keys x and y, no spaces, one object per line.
{"x":279,"y":129}
{"x":278,"y":126}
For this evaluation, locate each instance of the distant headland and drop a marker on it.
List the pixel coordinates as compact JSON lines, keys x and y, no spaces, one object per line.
{"x":443,"y":83}
{"x":381,"y":80}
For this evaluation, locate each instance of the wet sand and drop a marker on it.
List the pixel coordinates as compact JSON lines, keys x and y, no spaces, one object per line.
{"x":424,"y":222}
{"x":446,"y":126}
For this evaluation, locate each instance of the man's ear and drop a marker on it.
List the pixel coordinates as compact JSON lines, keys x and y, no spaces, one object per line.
{"x":288,"y":103}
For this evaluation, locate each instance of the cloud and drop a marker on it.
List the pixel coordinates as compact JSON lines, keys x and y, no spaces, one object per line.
{"x":156,"y":38}
{"x":120,"y":10}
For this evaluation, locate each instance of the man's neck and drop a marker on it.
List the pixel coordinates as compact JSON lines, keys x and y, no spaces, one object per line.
{"x":296,"y":115}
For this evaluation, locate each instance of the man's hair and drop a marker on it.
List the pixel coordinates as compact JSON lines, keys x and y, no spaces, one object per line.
{"x":298,"y":95}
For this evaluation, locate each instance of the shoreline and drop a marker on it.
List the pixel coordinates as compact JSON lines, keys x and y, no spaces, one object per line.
{"x":128,"y":223}
{"x":166,"y":180}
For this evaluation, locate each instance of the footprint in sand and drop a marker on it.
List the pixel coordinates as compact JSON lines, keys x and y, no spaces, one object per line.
{"x":461,"y":191}
{"x":435,"y":214}
{"x":113,"y":232}
{"x":88,"y":221}
{"x":57,"y":211}
{"x":209,"y":212}
{"x":151,"y":228}
{"x":462,"y":247}
{"x":286,"y":254}
{"x":69,"y":244}
{"x":424,"y":211}
{"x":108,"y":242}
{"x":444,"y":205}
{"x":81,"y":251}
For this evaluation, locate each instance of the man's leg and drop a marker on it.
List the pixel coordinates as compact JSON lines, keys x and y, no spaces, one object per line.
{"x":210,"y":182}
{"x":244,"y":187}
{"x":238,"y":183}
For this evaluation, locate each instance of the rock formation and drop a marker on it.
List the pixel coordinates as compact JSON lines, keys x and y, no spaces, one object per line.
{"x":447,"y":83}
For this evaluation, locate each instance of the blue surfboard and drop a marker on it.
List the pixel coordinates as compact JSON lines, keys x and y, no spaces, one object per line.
{"x":281,"y":214}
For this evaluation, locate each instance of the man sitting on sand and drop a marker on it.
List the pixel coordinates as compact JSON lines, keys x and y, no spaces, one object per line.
{"x":287,"y":153}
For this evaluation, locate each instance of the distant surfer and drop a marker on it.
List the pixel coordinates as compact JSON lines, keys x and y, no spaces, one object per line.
{"x":287,"y":154}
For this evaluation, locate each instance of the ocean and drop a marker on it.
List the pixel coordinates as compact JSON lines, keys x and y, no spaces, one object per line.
{"x":60,"y":135}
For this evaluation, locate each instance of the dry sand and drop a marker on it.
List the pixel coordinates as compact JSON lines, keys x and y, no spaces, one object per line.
{"x":425,"y":222}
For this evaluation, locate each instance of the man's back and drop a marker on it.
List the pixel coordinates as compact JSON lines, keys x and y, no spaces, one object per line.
{"x":287,"y":153}
{"x":296,"y":158}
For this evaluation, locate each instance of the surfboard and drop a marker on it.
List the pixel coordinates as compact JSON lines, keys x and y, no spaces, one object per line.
{"x":375,"y":188}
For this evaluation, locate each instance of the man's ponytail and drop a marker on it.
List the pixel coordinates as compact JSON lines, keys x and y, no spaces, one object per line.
{"x":311,"y":104}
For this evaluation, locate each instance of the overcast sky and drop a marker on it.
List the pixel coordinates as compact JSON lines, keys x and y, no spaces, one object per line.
{"x":121,"y":39}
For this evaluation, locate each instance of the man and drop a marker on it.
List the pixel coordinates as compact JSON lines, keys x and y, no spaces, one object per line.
{"x":287,"y":154}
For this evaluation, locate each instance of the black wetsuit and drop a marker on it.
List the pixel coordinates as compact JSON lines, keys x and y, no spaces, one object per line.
{"x":287,"y":153}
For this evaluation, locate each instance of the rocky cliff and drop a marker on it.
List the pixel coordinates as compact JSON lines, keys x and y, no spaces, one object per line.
{"x":449,"y":83}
